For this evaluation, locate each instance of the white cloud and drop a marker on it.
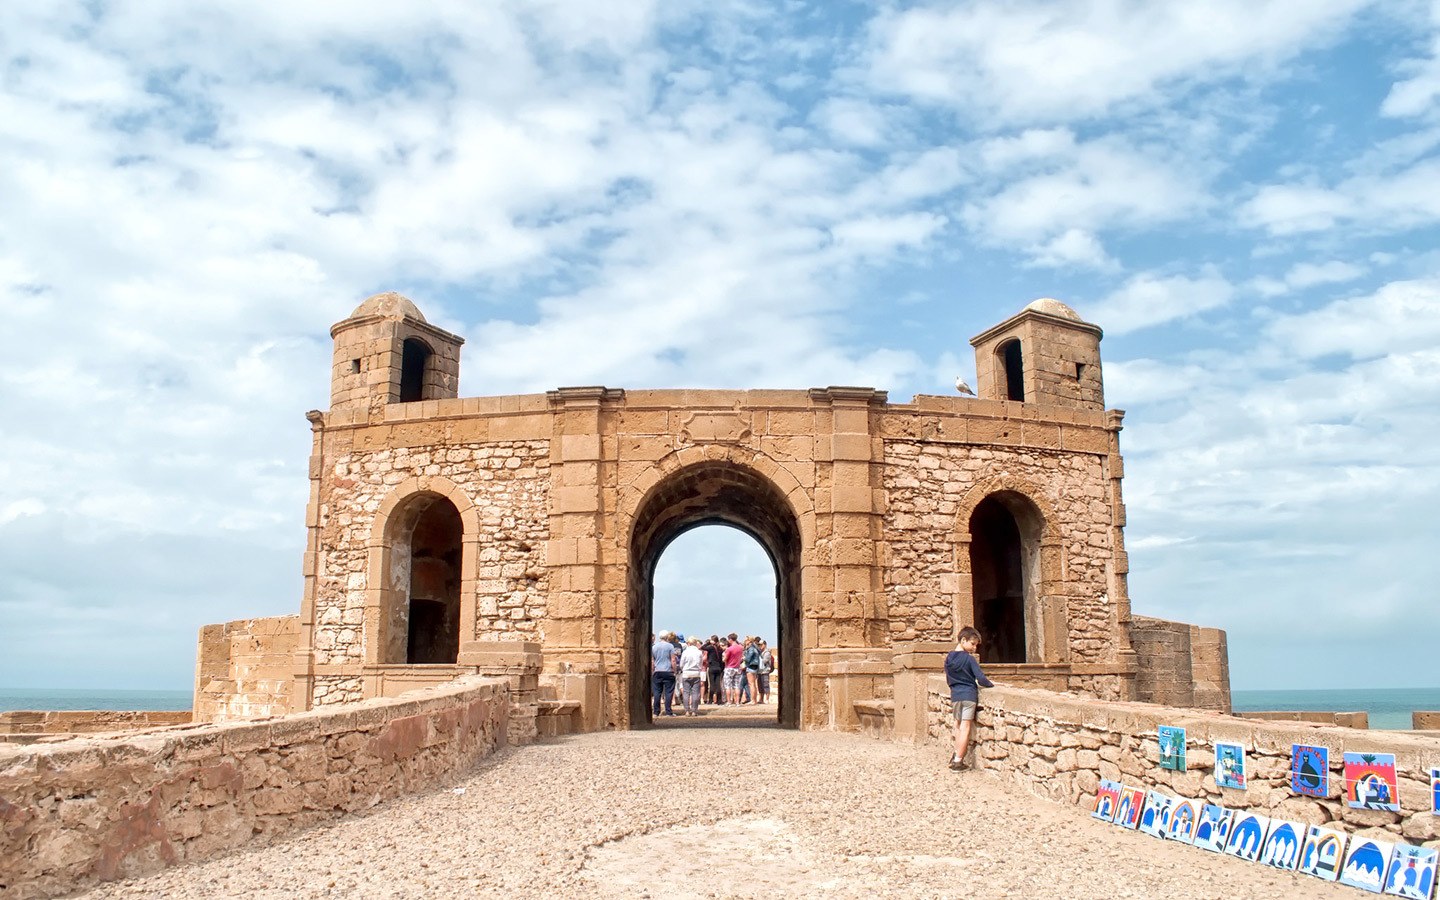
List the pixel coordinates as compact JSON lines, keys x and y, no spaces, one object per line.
{"x":1402,"y":315}
{"x":1395,"y":201}
{"x":1149,"y":299}
{"x":853,"y":121}
{"x":1415,"y":95}
{"x":1074,"y":248}
{"x":1307,"y":275}
{"x":1051,"y":61}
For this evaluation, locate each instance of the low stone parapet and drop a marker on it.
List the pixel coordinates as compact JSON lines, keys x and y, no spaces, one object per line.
{"x":1341,"y":719}
{"x":1424,"y":720}
{"x":25,"y":725}
{"x":94,"y":809}
{"x":1061,"y":745}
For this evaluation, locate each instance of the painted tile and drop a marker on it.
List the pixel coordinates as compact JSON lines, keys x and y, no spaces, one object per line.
{"x":1155,"y":820}
{"x":1435,"y":791}
{"x":1365,"y":864}
{"x":1107,"y":800}
{"x":1172,"y":747}
{"x":1412,"y":872}
{"x":1323,"y":853}
{"x":1132,"y":802}
{"x":1370,"y":781}
{"x":1182,"y":820}
{"x":1247,"y":835}
{"x":1212,"y":828}
{"x":1282,"y":845}
{"x":1310,"y":770}
{"x":1230,"y":765}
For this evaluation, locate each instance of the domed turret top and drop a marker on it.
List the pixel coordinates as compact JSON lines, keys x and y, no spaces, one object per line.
{"x":390,"y":305}
{"x":1051,"y":306}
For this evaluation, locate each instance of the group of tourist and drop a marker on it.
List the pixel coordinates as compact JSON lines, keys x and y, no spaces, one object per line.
{"x":716,"y":671}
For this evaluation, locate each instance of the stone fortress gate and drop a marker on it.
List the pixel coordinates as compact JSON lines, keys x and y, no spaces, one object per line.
{"x":518,"y":535}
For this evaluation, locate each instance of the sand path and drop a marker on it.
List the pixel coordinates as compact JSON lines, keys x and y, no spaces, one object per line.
{"x":698,"y":809}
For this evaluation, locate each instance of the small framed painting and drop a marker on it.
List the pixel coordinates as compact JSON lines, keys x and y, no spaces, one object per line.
{"x":1182,"y":820}
{"x":1107,"y":799}
{"x":1435,"y":791}
{"x":1155,"y":821}
{"x":1230,"y":765}
{"x":1323,"y":852}
{"x":1310,"y":770}
{"x":1132,"y":800}
{"x":1370,"y":782}
{"x":1412,"y":871}
{"x":1365,"y":864}
{"x":1172,"y":747}
{"x":1247,"y":835}
{"x":1282,"y":845}
{"x":1212,"y":828}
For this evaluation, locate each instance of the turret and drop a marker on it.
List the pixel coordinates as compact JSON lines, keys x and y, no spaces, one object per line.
{"x":385,"y":352}
{"x":1044,"y":354}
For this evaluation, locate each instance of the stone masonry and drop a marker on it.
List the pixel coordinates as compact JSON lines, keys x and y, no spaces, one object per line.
{"x":516,"y":535}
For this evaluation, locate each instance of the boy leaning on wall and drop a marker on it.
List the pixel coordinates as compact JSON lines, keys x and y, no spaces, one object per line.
{"x":962,"y":673}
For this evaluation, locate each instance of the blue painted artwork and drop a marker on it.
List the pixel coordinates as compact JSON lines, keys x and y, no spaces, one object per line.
{"x":1131,"y":801}
{"x":1212,"y":828}
{"x":1107,"y":799}
{"x":1371,"y":782}
{"x":1230,"y":765}
{"x":1412,"y":872}
{"x":1365,"y":864}
{"x":1435,"y":791}
{"x":1323,"y":851}
{"x":1172,"y":747}
{"x":1247,"y":836}
{"x":1155,"y":821}
{"x":1182,"y":820}
{"x":1310,"y":770}
{"x":1282,"y":846}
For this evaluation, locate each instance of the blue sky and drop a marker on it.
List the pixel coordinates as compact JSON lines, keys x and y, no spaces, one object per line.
{"x":1245,"y":195}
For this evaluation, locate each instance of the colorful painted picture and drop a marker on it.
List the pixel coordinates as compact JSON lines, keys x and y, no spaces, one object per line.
{"x":1412,"y":872}
{"x":1172,"y":748}
{"x":1132,"y":801}
{"x":1212,"y":828}
{"x":1282,"y":845}
{"x":1229,"y":765}
{"x":1182,"y":820}
{"x":1155,"y":821}
{"x":1247,"y":835}
{"x":1365,"y":864}
{"x":1323,"y":852}
{"x":1107,"y":799}
{"x":1435,"y":791}
{"x":1370,"y":781}
{"x":1310,"y":770}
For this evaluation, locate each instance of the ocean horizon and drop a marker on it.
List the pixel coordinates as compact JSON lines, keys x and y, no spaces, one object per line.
{"x":1389,"y":708}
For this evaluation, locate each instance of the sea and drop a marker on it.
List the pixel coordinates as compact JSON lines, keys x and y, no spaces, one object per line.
{"x":1389,"y":708}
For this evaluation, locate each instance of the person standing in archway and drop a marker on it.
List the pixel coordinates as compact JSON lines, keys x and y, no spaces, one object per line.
{"x":662,"y":674}
{"x":752,"y":668}
{"x":692,"y":665}
{"x":962,"y":673}
{"x":734,"y":654}
{"x":767,"y":665}
{"x":714,"y":666}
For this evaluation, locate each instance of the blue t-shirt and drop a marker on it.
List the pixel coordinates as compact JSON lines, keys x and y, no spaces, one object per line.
{"x":663,"y":654}
{"x":962,"y":673}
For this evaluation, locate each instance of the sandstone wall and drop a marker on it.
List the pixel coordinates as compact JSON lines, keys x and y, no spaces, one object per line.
{"x":1342,"y":719}
{"x":1422,"y":720}
{"x":95,"y":809}
{"x":925,"y":484}
{"x":21,"y":725}
{"x":1060,"y":746}
{"x":245,"y":669}
{"x":508,"y":483}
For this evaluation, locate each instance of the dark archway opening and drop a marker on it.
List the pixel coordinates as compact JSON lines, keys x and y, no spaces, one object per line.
{"x":1014,"y":360}
{"x":414,"y":361}
{"x":425,"y":624}
{"x":1004,"y":564}
{"x":709,"y":494}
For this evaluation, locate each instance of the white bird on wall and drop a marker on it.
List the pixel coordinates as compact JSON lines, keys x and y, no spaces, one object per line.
{"x":962,"y":387}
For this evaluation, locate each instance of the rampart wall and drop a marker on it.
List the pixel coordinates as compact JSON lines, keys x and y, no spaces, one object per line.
{"x":1060,"y":746}
{"x":245,"y":669}
{"x":94,"y":809}
{"x":22,"y":725}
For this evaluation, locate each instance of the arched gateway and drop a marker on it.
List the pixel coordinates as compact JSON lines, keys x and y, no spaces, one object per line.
{"x":517,"y":536}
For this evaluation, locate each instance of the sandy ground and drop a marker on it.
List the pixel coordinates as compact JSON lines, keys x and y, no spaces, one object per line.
{"x":701,"y":808}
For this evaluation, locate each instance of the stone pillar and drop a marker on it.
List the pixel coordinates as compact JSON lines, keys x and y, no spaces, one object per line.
{"x":586,"y":619}
{"x":1118,"y":571}
{"x":914,"y":663}
{"x":302,"y":693}
{"x":518,"y":662}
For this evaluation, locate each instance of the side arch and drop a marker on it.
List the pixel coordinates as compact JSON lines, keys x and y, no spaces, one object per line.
{"x":1040,"y":565}
{"x":396,"y":513}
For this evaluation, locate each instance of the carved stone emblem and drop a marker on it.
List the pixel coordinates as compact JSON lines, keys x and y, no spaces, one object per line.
{"x":714,"y":428}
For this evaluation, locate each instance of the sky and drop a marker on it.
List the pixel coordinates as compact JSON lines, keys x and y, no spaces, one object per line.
{"x":1244,"y":195}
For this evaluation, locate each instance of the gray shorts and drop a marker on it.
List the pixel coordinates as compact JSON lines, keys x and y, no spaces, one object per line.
{"x":964,"y":710}
{"x":732,"y":679}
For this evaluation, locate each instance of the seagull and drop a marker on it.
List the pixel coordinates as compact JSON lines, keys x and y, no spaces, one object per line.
{"x":962,"y":387}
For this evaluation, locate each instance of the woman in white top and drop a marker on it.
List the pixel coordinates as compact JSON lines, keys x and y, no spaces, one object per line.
{"x":692,"y":666}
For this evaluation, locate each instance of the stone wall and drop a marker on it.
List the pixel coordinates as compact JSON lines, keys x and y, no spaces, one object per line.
{"x":1180,"y":665}
{"x":1060,"y":746}
{"x":926,"y":485}
{"x":20,"y":726}
{"x":508,"y":484}
{"x":245,"y":669}
{"x":1341,"y":719}
{"x":1422,"y":720}
{"x":93,"y":809}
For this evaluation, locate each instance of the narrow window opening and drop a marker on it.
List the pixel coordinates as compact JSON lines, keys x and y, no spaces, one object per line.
{"x":1079,"y":371}
{"x":354,"y":367}
{"x":1014,"y":371}
{"x":414,"y":360}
